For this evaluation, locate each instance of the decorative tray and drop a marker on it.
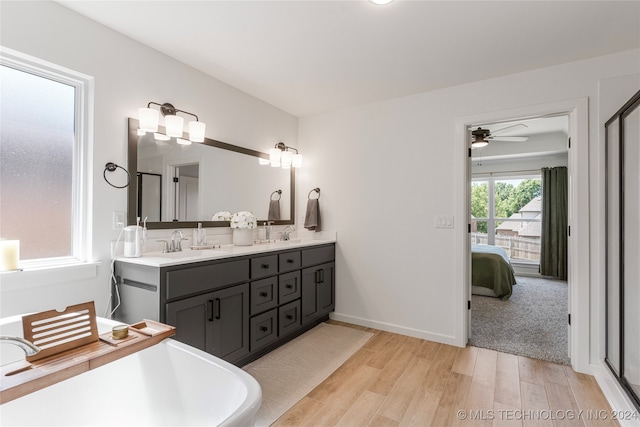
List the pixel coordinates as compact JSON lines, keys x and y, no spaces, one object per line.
{"x":208,"y":245}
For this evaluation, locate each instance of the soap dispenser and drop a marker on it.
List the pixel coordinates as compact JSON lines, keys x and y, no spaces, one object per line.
{"x":262,"y":233}
{"x":199,"y":235}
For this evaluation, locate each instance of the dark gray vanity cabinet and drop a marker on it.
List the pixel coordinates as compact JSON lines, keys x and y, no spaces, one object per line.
{"x":317,"y":291}
{"x":236,"y":308}
{"x":215,"y":322}
{"x":318,"y":282}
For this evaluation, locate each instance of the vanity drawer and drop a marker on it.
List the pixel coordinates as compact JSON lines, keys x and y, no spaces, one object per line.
{"x":288,"y":318}
{"x":288,"y":287}
{"x":264,"y":329}
{"x":264,"y":266}
{"x":289,"y":261}
{"x":195,"y":280}
{"x":264,"y":295}
{"x":318,"y":255}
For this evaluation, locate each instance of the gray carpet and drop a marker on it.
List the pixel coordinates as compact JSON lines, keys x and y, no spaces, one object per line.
{"x":533,"y":322}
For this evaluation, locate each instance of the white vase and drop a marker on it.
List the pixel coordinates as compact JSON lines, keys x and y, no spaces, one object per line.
{"x":242,"y":236}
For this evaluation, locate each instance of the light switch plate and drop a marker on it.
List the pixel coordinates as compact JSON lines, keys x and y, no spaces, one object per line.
{"x":444,"y":221}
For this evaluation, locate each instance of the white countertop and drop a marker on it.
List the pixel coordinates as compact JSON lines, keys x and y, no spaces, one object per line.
{"x":159,"y":259}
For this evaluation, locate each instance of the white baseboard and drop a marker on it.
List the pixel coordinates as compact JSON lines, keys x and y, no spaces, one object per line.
{"x":397,"y":329}
{"x":616,"y":396}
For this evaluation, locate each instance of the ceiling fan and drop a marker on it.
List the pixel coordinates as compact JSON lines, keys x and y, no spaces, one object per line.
{"x":481,"y":137}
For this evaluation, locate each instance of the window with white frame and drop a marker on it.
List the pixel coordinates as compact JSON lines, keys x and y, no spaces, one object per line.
{"x":507,"y":212}
{"x":44,"y":141}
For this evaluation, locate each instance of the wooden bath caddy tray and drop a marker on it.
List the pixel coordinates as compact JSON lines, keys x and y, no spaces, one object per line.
{"x":70,"y":345}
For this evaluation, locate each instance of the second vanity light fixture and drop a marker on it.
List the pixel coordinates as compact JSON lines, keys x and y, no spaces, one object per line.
{"x":174,"y":124}
{"x":282,"y":155}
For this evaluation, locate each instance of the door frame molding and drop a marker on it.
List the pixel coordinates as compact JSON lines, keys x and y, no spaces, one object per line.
{"x":578,"y":160}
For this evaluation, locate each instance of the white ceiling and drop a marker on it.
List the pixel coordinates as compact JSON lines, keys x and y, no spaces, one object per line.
{"x":307,"y":57}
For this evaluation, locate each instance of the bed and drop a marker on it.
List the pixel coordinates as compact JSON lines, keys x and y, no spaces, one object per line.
{"x":491,"y":272}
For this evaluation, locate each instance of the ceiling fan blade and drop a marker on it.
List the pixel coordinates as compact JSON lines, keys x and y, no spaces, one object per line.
{"x":511,"y":128}
{"x":509,"y":138}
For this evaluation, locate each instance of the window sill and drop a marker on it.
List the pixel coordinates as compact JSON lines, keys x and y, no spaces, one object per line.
{"x":36,"y":277}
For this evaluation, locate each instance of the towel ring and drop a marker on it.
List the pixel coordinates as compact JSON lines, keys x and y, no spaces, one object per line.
{"x":278,"y":192}
{"x":111,"y":167}
{"x":317,"y":190}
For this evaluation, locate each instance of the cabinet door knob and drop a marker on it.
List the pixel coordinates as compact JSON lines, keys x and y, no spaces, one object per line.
{"x":289,"y":316}
{"x":265,"y":266}
{"x":290,"y":261}
{"x":288,"y":286}
{"x":264,"y":328}
{"x":264,"y":294}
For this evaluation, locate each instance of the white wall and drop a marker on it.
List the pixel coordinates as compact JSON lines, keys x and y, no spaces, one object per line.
{"x":127,"y":76}
{"x":386,"y":171}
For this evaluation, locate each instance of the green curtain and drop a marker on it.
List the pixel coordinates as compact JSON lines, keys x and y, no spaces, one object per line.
{"x":553,"y":250}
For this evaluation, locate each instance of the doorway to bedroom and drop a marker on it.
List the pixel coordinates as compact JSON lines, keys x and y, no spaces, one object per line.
{"x":519,"y":288}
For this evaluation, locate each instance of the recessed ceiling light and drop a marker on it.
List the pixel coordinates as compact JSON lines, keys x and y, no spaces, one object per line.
{"x":380,"y":2}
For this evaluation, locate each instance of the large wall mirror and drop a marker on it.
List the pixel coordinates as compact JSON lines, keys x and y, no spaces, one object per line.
{"x":178,"y":186}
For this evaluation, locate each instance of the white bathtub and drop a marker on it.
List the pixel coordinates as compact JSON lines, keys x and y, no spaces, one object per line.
{"x":170,"y":383}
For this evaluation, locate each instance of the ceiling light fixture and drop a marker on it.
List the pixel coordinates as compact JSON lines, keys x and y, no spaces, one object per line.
{"x":174,"y":124}
{"x":282,"y":155}
{"x":479,"y":138}
{"x":380,"y":2}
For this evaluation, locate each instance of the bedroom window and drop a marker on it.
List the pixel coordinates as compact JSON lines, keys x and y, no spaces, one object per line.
{"x":507,"y":212}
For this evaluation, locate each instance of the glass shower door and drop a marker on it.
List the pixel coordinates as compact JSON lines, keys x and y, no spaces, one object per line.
{"x":631,"y":247}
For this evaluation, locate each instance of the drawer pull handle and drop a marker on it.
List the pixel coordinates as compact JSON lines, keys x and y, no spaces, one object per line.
{"x":290,"y":261}
{"x":264,"y":294}
{"x":264,"y":328}
{"x":288,"y":286}
{"x":289,"y":316}
{"x":265,"y":266}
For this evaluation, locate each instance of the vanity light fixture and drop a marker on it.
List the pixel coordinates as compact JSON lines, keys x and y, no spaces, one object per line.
{"x":380,"y":2}
{"x":174,"y":124}
{"x":282,"y":155}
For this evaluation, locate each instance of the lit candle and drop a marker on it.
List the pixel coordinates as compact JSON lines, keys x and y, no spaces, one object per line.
{"x":9,"y":254}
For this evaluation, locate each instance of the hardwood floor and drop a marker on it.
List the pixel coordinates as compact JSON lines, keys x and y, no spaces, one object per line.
{"x":395,"y":380}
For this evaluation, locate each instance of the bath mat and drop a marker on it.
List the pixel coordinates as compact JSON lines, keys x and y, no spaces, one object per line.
{"x":291,"y":371}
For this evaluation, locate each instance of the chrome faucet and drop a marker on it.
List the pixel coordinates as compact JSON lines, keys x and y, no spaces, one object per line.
{"x":29,"y":348}
{"x":176,"y":245}
{"x":287,"y":230}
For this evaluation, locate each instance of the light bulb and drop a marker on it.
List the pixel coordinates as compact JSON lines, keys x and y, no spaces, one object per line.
{"x":196,"y":131}
{"x":174,"y":125}
{"x":285,"y":159}
{"x":274,"y":157}
{"x":148,"y":118}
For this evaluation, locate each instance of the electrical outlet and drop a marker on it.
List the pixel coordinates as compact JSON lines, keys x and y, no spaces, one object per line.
{"x":118,"y":220}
